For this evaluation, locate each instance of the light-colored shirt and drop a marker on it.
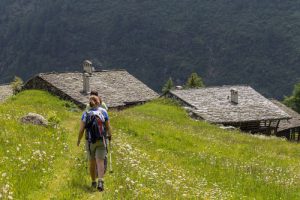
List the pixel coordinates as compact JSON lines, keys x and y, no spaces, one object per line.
{"x":103,"y":105}
{"x":97,"y":111}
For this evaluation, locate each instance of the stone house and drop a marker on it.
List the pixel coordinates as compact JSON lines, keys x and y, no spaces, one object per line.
{"x":117,"y":88}
{"x":238,"y":106}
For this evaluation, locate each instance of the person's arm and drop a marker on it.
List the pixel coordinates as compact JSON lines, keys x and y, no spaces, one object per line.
{"x":107,"y":125}
{"x":81,"y":131}
{"x":108,"y":129}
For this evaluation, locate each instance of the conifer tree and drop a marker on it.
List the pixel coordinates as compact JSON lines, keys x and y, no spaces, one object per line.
{"x":194,"y":81}
{"x":168,"y":86}
{"x":293,"y":101}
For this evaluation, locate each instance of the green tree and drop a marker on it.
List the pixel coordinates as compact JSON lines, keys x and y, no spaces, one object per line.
{"x":168,"y":86}
{"x":194,"y":81}
{"x":293,"y":101}
{"x":17,"y":85}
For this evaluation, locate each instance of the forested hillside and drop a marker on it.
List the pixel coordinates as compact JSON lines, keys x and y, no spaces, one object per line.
{"x":255,"y":42}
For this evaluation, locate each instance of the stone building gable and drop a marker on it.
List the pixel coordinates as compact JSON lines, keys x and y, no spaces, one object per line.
{"x":117,"y":88}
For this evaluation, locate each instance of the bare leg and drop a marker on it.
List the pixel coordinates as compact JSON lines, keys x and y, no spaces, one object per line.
{"x":100,"y":168}
{"x":92,"y":169}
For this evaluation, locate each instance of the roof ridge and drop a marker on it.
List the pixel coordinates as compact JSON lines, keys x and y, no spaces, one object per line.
{"x":210,"y":87}
{"x":65,"y":72}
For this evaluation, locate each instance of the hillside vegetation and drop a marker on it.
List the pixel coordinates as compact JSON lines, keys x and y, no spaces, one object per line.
{"x":158,"y":153}
{"x":253,"y":42}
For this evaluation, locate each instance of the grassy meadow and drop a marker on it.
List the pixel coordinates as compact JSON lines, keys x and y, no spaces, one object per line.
{"x":158,"y":152}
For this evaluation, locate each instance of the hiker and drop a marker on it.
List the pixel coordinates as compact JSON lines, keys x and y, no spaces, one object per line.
{"x":102,"y":104}
{"x":96,"y":147}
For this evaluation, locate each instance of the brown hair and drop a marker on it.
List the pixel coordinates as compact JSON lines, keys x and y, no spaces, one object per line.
{"x":94,"y":92}
{"x":94,"y":101}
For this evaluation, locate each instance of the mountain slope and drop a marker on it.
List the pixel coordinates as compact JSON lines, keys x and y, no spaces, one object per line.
{"x":227,"y":42}
{"x":158,"y":153}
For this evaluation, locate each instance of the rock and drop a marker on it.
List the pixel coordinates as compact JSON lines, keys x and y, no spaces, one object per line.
{"x":33,"y":118}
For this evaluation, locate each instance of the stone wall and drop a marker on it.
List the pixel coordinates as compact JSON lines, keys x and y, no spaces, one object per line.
{"x":39,"y":83}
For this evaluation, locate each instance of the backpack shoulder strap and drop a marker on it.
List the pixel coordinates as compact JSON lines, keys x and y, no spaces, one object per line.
{"x":88,"y":118}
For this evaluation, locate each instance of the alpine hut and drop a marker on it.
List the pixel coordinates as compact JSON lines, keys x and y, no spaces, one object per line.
{"x":238,"y":106}
{"x":117,"y":88}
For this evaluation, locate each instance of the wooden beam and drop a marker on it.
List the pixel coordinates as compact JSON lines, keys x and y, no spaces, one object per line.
{"x":277,"y":125}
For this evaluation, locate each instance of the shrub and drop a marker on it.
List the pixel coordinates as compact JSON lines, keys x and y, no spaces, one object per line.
{"x":17,"y":85}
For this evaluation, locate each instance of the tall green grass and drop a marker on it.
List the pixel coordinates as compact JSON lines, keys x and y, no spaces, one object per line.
{"x":182,"y":158}
{"x":29,"y":152}
{"x":158,"y":153}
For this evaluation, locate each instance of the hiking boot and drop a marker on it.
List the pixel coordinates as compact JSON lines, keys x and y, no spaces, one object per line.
{"x":100,"y":186}
{"x":94,"y":184}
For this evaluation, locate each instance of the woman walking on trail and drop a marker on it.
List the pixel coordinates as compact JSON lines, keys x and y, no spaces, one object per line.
{"x":102,"y":104}
{"x":95,"y":119}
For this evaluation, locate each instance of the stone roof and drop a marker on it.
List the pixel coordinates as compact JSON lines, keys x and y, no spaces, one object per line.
{"x":213,"y":104}
{"x":5,"y":92}
{"x":294,"y":122}
{"x":116,"y":87}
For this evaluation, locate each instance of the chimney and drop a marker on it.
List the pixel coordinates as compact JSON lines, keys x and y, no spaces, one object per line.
{"x":87,"y":72}
{"x":86,"y":83}
{"x":179,"y":87}
{"x":87,"y":67}
{"x":234,"y":96}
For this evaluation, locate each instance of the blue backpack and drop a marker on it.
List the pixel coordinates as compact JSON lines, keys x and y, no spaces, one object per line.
{"x":95,"y":127}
